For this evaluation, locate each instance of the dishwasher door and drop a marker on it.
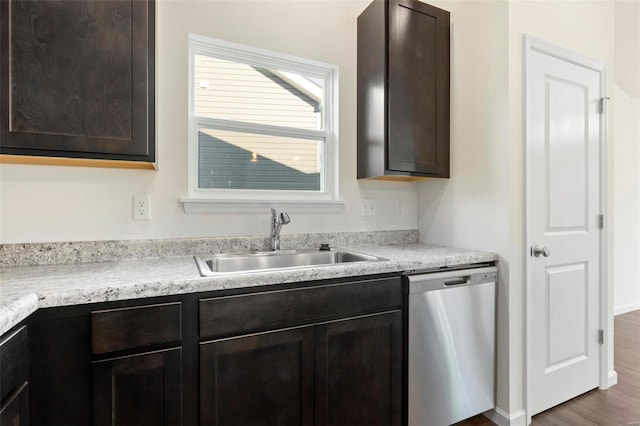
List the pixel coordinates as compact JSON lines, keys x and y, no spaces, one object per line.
{"x":451,"y":345}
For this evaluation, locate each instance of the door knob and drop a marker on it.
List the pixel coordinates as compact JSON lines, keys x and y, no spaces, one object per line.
{"x":537,"y":251}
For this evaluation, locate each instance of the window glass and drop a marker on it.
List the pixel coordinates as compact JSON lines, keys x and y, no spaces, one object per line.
{"x":241,"y":92}
{"x":240,"y":160}
{"x":261,"y":124}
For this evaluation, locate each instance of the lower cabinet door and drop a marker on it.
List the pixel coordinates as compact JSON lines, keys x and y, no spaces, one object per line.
{"x":358,"y":372}
{"x":138,"y":390}
{"x":258,"y":379}
{"x":15,"y":410}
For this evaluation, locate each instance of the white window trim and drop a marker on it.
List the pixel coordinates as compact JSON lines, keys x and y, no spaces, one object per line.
{"x":202,"y":200}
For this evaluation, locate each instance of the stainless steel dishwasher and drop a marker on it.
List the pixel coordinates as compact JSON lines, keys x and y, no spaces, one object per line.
{"x":451,"y":346}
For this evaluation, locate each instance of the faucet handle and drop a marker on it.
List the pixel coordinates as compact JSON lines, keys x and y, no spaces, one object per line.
{"x":273,"y":213}
{"x":284,"y":218}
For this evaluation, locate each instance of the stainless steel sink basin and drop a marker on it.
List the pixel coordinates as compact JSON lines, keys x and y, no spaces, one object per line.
{"x":224,"y":264}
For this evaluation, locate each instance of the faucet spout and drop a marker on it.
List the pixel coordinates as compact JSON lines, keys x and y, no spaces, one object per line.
{"x":277,"y":221}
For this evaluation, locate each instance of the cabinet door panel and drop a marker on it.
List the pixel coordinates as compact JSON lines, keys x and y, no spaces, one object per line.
{"x":258,"y":379}
{"x":412,"y":89}
{"x":359,"y":371}
{"x":60,"y":368}
{"x":403,"y":91}
{"x":15,"y":410}
{"x":138,"y":390}
{"x":13,"y":361}
{"x":78,"y":78}
{"x":418,"y":88}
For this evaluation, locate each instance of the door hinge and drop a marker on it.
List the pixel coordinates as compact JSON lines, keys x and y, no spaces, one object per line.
{"x":602,"y":104}
{"x":601,"y":221}
{"x":601,"y":337}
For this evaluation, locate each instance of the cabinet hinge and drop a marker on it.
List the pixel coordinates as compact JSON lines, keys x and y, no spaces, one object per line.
{"x":601,"y":337}
{"x":603,"y":104}
{"x":601,"y":221}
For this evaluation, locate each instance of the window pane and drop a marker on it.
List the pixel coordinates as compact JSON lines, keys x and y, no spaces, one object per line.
{"x":236,"y":160}
{"x":240,"y":92}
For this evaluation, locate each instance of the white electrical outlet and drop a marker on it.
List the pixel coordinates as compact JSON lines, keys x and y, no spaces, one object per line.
{"x":399,"y":207}
{"x":142,"y":207}
{"x":368,"y":207}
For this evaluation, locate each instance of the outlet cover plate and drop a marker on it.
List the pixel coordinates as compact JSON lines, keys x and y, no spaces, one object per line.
{"x":368,"y":207}
{"x":142,"y":207}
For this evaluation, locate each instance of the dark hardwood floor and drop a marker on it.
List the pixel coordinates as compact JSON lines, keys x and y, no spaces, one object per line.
{"x":619,"y":405}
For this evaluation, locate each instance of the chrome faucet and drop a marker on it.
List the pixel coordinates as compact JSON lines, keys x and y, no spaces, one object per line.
{"x":277,"y":220}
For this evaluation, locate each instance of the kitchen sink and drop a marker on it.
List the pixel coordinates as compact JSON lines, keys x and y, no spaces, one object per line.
{"x":235,"y":263}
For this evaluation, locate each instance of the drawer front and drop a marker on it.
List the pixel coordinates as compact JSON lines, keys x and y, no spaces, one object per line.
{"x":14,"y":363}
{"x":234,"y":315}
{"x":136,"y":327}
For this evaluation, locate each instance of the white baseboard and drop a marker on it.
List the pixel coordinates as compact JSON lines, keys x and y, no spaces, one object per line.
{"x":619,"y":310}
{"x":612,"y":378}
{"x":502,"y":418}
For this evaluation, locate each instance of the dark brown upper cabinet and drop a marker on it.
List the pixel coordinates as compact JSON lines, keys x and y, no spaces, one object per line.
{"x":77,"y":79}
{"x":403,"y":91}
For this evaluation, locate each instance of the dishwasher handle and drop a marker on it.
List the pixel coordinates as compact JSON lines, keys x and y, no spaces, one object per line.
{"x":421,"y":283}
{"x":458,"y":281}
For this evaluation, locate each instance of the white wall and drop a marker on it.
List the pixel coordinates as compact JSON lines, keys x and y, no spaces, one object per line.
{"x":40,"y":203}
{"x":626,"y":127}
{"x":471,"y":208}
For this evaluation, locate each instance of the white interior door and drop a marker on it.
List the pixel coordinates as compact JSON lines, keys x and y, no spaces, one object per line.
{"x":563,"y":114}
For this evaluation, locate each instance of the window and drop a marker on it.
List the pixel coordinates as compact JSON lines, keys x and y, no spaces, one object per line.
{"x":262,"y":125}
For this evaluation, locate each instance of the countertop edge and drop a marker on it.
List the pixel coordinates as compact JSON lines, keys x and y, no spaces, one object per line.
{"x":415,"y":257}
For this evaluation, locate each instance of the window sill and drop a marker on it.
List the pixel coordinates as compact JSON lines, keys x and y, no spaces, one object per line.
{"x":208,"y":205}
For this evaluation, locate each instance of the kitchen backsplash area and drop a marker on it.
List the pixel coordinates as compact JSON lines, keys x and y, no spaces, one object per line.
{"x":24,"y":254}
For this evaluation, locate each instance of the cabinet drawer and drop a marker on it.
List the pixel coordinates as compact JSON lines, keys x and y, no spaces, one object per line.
{"x":233,"y":315}
{"x":13,"y":361}
{"x":135,"y":327}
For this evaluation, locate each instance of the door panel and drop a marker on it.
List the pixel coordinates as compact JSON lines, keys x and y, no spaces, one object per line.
{"x":138,"y":389}
{"x":358,"y":371}
{"x":15,"y":409}
{"x":264,"y":378}
{"x":567,"y":147}
{"x":563,"y":207}
{"x":418,"y":133}
{"x":566,"y":320}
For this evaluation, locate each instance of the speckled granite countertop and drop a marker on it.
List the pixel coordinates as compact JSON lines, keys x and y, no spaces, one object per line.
{"x":24,"y":289}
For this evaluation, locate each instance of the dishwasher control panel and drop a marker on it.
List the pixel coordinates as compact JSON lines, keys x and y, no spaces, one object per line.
{"x":461,"y":277}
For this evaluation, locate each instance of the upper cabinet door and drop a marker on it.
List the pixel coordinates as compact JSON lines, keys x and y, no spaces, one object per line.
{"x":403,"y":91}
{"x":77,"y":78}
{"x":418,"y":91}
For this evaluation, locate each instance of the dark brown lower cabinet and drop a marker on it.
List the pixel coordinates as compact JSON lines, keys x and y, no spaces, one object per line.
{"x":358,"y":371}
{"x":327,"y":353}
{"x":14,"y":378}
{"x":15,"y":411}
{"x":138,"y":390}
{"x":345,"y":372}
{"x":259,"y":379}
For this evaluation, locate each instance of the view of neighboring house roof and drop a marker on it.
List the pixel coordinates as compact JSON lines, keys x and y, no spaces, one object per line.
{"x":243,"y":93}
